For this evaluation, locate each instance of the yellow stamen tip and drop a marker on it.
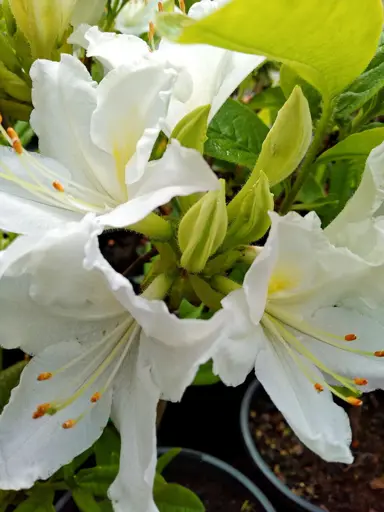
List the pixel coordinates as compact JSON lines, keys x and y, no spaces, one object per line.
{"x":1,"y":119}
{"x":69,"y":424}
{"x":160,"y":6}
{"x":44,"y":376}
{"x":16,"y":144}
{"x":58,"y":186}
{"x":43,"y":407}
{"x":182,"y":6}
{"x":95,"y":397}
{"x":379,"y":353}
{"x":319,"y":388}
{"x":350,"y":337}
{"x":356,"y":402}
{"x":360,"y":382}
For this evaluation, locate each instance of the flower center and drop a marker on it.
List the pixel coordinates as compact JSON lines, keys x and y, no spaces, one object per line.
{"x":284,"y":328}
{"x":104,"y":360}
{"x":48,"y":186}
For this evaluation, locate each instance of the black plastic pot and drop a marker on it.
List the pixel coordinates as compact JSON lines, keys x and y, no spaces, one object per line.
{"x":280,"y":494}
{"x":192,"y":466}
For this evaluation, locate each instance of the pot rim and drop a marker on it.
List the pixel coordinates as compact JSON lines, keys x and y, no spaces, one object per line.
{"x":256,"y":456}
{"x":226,"y":468}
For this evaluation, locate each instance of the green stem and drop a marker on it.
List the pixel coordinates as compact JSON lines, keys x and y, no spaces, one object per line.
{"x":224,"y":284}
{"x":159,"y":287}
{"x":310,"y":157}
{"x":153,"y":226}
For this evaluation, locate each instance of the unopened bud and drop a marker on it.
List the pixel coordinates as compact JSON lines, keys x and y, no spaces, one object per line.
{"x":284,"y":147}
{"x":252,"y":219}
{"x":202,"y":229}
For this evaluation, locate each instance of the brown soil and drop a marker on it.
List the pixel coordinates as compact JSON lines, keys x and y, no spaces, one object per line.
{"x":333,"y":487}
{"x":217,"y":490}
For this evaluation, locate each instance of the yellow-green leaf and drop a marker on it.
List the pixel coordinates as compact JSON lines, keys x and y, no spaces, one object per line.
{"x":355,"y":146}
{"x":328,"y":42}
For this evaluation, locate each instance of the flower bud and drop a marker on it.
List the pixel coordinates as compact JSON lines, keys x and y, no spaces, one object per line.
{"x":252,"y":219}
{"x":284,"y":147}
{"x":43,"y":23}
{"x":202,"y":229}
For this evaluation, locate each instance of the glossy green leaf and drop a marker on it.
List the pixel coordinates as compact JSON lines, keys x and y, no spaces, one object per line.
{"x":191,"y":131}
{"x":9,"y":379}
{"x":355,"y":146}
{"x":205,"y":375}
{"x":97,"y":480}
{"x":188,"y":310}
{"x":166,"y":458}
{"x":269,"y":98}
{"x":329,"y":43}
{"x":85,"y":500}
{"x":39,"y":501}
{"x":175,"y":498}
{"x":288,"y":81}
{"x":235,"y":135}
{"x":107,"y":448}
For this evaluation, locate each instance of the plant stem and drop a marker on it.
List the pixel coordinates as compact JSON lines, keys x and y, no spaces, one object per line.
{"x":310,"y":157}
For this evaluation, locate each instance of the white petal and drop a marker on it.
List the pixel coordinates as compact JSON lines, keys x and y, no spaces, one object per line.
{"x":180,"y":172}
{"x":370,"y":337}
{"x":134,"y":413}
{"x":134,"y":18}
{"x":153,"y":315}
{"x":34,"y":449}
{"x":114,"y":50}
{"x":64,"y":98}
{"x":314,"y":417}
{"x":129,"y":101}
{"x":87,"y":11}
{"x":235,"y":352}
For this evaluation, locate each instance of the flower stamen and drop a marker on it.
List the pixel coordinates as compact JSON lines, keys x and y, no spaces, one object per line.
{"x":58,"y":186}
{"x":350,"y":337}
{"x":95,"y":397}
{"x":69,"y":424}
{"x":319,"y":388}
{"x":356,"y":402}
{"x":15,"y":141}
{"x":44,"y":376}
{"x":360,"y":382}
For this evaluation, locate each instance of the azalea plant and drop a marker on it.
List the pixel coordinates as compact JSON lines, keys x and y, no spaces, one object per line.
{"x":242,"y":143}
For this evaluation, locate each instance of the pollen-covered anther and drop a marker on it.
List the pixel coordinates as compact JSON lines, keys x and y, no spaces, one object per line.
{"x":379,"y":353}
{"x":182,"y":6}
{"x":95,"y":397}
{"x":16,"y":144}
{"x":58,"y":186}
{"x":160,"y":6}
{"x":350,"y":337}
{"x":319,"y":388}
{"x":356,"y":402}
{"x":360,"y":382}
{"x":68,"y":424}
{"x":41,"y":410}
{"x":44,"y":376}
{"x":151,"y":32}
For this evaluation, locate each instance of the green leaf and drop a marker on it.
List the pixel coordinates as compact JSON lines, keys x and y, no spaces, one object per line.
{"x":191,"y":131}
{"x":9,"y":379}
{"x":97,"y":480}
{"x":107,"y":448}
{"x":356,"y":145}
{"x":105,"y":506}
{"x":205,"y":375}
{"x":85,"y":501}
{"x":175,"y":498}
{"x":328,"y":43}
{"x":269,"y":98}
{"x":361,"y":90}
{"x":166,"y":458}
{"x":206,"y":293}
{"x":67,"y":471}
{"x":188,"y":310}
{"x":235,"y":135}
{"x":158,"y":482}
{"x":39,"y":501}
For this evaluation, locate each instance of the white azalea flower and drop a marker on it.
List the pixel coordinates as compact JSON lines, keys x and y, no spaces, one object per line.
{"x":209,"y":74}
{"x":135,"y":16}
{"x":360,"y":226}
{"x":100,"y":350}
{"x":95,"y":143}
{"x":288,"y":322}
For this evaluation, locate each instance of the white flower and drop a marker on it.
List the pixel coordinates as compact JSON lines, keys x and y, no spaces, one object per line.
{"x":135,"y":16}
{"x":100,"y":351}
{"x":209,"y":74}
{"x":288,"y":321}
{"x":360,"y":226}
{"x":95,"y":143}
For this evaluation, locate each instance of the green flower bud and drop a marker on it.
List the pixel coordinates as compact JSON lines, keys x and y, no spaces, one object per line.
{"x":202,"y":229}
{"x":284,"y":147}
{"x":252,"y":219}
{"x":43,"y":22}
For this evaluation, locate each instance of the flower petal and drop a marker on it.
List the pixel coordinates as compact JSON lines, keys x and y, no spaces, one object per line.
{"x":129,"y":101}
{"x":33,"y":449}
{"x":370,"y":337}
{"x":236,"y":350}
{"x":135,"y":16}
{"x":87,"y":11}
{"x":64,"y":97}
{"x":314,"y":417}
{"x":180,"y":172}
{"x":134,"y":413}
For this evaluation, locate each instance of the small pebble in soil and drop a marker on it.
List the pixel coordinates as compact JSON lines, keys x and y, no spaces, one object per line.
{"x":333,"y":487}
